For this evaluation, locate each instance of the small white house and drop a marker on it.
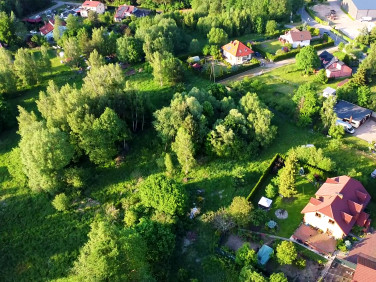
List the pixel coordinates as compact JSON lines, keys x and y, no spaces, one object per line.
{"x":94,"y":6}
{"x":236,"y":53}
{"x":329,"y":92}
{"x":297,"y":38}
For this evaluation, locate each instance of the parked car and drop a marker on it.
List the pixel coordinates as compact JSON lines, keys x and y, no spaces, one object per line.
{"x":373,"y":174}
{"x":346,"y":126}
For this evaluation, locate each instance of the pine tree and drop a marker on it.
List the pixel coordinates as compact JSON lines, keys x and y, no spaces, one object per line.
{"x":287,"y":177}
{"x":169,"y":164}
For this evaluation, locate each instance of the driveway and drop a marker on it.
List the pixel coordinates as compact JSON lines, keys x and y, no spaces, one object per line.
{"x":367,"y":131}
{"x":323,"y":28}
{"x":342,"y":22}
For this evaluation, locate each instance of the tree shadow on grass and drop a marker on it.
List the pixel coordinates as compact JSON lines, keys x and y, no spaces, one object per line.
{"x":38,"y":243}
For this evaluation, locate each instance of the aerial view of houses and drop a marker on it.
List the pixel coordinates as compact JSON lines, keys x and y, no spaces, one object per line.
{"x":296,"y":37}
{"x":188,"y":140}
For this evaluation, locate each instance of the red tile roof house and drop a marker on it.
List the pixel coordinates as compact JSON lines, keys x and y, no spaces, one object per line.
{"x":296,"y":38}
{"x":365,"y":269}
{"x":124,"y":11}
{"x":338,"y":206}
{"x":236,"y":53}
{"x":48,"y":28}
{"x":95,"y":6}
{"x":338,"y":69}
{"x":363,"y":254}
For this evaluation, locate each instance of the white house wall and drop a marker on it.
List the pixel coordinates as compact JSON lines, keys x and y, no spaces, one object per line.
{"x":301,"y":43}
{"x":323,"y":224}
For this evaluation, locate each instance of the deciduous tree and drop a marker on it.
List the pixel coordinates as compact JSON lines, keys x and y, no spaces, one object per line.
{"x":95,"y":60}
{"x":184,"y":150}
{"x":8,"y":78}
{"x":307,"y":59}
{"x":72,"y":51}
{"x":26,"y":67}
{"x":44,"y":152}
{"x":217,"y":36}
{"x":246,"y":256}
{"x":112,"y":254}
{"x":240,"y":209}
{"x":286,"y":253}
{"x":129,"y":49}
{"x":166,"y":68}
{"x":163,"y":194}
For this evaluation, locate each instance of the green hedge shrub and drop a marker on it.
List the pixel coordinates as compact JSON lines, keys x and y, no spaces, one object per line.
{"x":263,"y":176}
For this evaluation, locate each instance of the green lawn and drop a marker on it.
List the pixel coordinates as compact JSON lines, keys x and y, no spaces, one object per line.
{"x":286,"y":227}
{"x":271,"y":46}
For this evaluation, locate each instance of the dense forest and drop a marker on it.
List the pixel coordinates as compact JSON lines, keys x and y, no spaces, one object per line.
{"x":119,"y":162}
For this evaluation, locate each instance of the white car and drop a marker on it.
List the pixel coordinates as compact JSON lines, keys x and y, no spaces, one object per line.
{"x":33,"y":32}
{"x":373,"y":174}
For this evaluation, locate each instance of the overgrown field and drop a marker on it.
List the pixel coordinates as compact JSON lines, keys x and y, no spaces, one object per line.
{"x":39,"y":243}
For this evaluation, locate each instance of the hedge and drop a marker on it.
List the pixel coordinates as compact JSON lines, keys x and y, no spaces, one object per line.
{"x":266,"y":172}
{"x":324,"y":45}
{"x":263,"y":176}
{"x":292,"y":53}
{"x":316,"y":18}
{"x":341,"y":34}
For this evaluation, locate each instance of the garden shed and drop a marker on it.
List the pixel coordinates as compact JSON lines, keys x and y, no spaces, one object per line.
{"x":265,"y":203}
{"x":329,"y":92}
{"x":264,"y":254}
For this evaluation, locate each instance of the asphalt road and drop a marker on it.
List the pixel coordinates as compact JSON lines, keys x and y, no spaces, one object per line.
{"x":323,"y":28}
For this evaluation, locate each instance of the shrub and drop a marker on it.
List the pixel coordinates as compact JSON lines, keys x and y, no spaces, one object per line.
{"x":130,"y":218}
{"x":245,"y":255}
{"x":301,"y":263}
{"x":61,"y":202}
{"x":271,"y":191}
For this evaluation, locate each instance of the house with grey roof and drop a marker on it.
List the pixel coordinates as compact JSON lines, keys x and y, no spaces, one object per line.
{"x":360,"y":8}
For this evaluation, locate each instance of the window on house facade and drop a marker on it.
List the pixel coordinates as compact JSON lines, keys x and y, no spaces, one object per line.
{"x":317,"y":214}
{"x":331,"y":221}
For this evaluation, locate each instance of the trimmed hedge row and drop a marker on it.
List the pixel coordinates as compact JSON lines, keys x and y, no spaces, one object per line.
{"x":263,"y":176}
{"x":316,"y":18}
{"x":284,"y":56}
{"x":266,"y":172}
{"x":324,"y":45}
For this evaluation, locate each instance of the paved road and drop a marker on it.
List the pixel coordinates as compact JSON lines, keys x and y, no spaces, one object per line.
{"x":323,"y":28}
{"x":58,"y":4}
{"x":266,"y":68}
